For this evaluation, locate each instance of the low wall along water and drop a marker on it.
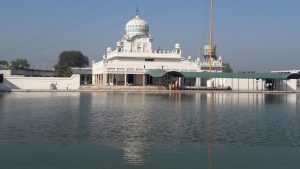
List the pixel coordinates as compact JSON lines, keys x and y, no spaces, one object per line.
{"x":40,"y":83}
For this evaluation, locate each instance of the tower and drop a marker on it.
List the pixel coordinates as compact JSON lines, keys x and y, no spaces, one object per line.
{"x":207,"y":52}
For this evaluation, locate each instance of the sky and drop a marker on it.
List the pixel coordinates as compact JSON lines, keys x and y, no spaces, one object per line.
{"x":251,"y":35}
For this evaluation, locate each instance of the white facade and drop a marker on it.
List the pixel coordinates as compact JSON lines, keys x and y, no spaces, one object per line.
{"x":133,"y":55}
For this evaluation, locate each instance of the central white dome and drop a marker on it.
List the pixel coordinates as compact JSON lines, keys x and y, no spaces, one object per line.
{"x":136,"y":26}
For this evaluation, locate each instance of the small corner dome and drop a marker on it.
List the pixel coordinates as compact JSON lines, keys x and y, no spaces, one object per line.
{"x":136,"y":26}
{"x":177,"y":46}
{"x":109,"y":49}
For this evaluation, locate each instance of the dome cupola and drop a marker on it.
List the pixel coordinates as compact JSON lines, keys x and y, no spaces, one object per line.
{"x":136,"y":26}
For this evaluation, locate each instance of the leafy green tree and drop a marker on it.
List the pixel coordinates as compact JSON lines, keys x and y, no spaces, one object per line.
{"x":3,"y":63}
{"x":20,"y":63}
{"x":68,"y":59}
{"x":62,"y":71}
{"x":73,"y":59}
{"x":227,"y":68}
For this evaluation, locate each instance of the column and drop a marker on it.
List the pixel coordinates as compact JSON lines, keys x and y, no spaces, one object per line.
{"x":144,"y":79}
{"x":179,"y":81}
{"x":105,"y":79}
{"x":198,"y":82}
{"x":125,"y":79}
{"x":85,"y":78}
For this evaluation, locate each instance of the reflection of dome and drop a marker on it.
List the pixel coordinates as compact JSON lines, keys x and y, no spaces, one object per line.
{"x":136,"y":26}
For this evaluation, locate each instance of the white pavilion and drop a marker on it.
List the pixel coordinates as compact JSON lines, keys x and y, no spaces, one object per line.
{"x":133,"y":56}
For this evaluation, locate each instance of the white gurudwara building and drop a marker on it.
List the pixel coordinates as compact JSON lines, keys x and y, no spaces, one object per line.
{"x":133,"y":56}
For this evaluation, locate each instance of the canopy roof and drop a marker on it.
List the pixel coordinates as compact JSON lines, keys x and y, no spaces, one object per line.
{"x":160,"y":73}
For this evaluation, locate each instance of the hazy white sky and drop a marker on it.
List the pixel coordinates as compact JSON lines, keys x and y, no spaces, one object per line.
{"x":256,"y":35}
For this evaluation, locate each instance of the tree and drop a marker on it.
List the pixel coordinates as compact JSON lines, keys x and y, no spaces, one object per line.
{"x":20,"y":63}
{"x":62,"y":71}
{"x":3,"y":63}
{"x":227,"y":68}
{"x":68,"y":59}
{"x":73,"y":59}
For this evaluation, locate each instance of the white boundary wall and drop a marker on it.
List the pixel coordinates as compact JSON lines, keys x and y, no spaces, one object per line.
{"x":253,"y":84}
{"x":40,"y":83}
{"x":247,"y":84}
{"x":287,"y":85}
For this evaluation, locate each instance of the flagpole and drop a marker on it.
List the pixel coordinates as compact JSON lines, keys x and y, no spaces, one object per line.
{"x":210,"y":32}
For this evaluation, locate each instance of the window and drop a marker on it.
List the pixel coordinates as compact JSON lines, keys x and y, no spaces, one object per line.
{"x":149,"y":60}
{"x":1,"y":78}
{"x":139,"y":49}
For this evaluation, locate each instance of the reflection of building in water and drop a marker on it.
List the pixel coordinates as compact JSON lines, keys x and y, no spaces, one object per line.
{"x":175,"y":96}
{"x":254,"y":99}
{"x":209,"y":127}
{"x":290,"y":99}
{"x":134,"y":131}
{"x":84,"y":110}
{"x":237,"y":99}
{"x":122,"y":125}
{"x":135,"y":151}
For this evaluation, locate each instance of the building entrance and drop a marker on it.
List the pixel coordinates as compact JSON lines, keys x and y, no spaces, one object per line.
{"x":130,"y":79}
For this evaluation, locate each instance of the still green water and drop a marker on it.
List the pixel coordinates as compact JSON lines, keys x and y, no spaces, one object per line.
{"x":149,"y":130}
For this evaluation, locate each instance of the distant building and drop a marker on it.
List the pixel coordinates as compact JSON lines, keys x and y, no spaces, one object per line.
{"x":85,"y":74}
{"x":285,"y":71}
{"x":7,"y":71}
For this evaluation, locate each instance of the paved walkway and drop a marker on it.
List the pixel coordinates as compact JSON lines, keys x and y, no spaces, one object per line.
{"x":122,"y":88}
{"x":97,"y":88}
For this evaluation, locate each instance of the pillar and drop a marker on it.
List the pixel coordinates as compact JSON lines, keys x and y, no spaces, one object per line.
{"x":100,"y":80}
{"x":238,"y":84}
{"x":125,"y":79}
{"x":248,"y":85}
{"x":105,"y":79}
{"x":198,"y":82}
{"x":179,"y":81}
{"x":144,"y":78}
